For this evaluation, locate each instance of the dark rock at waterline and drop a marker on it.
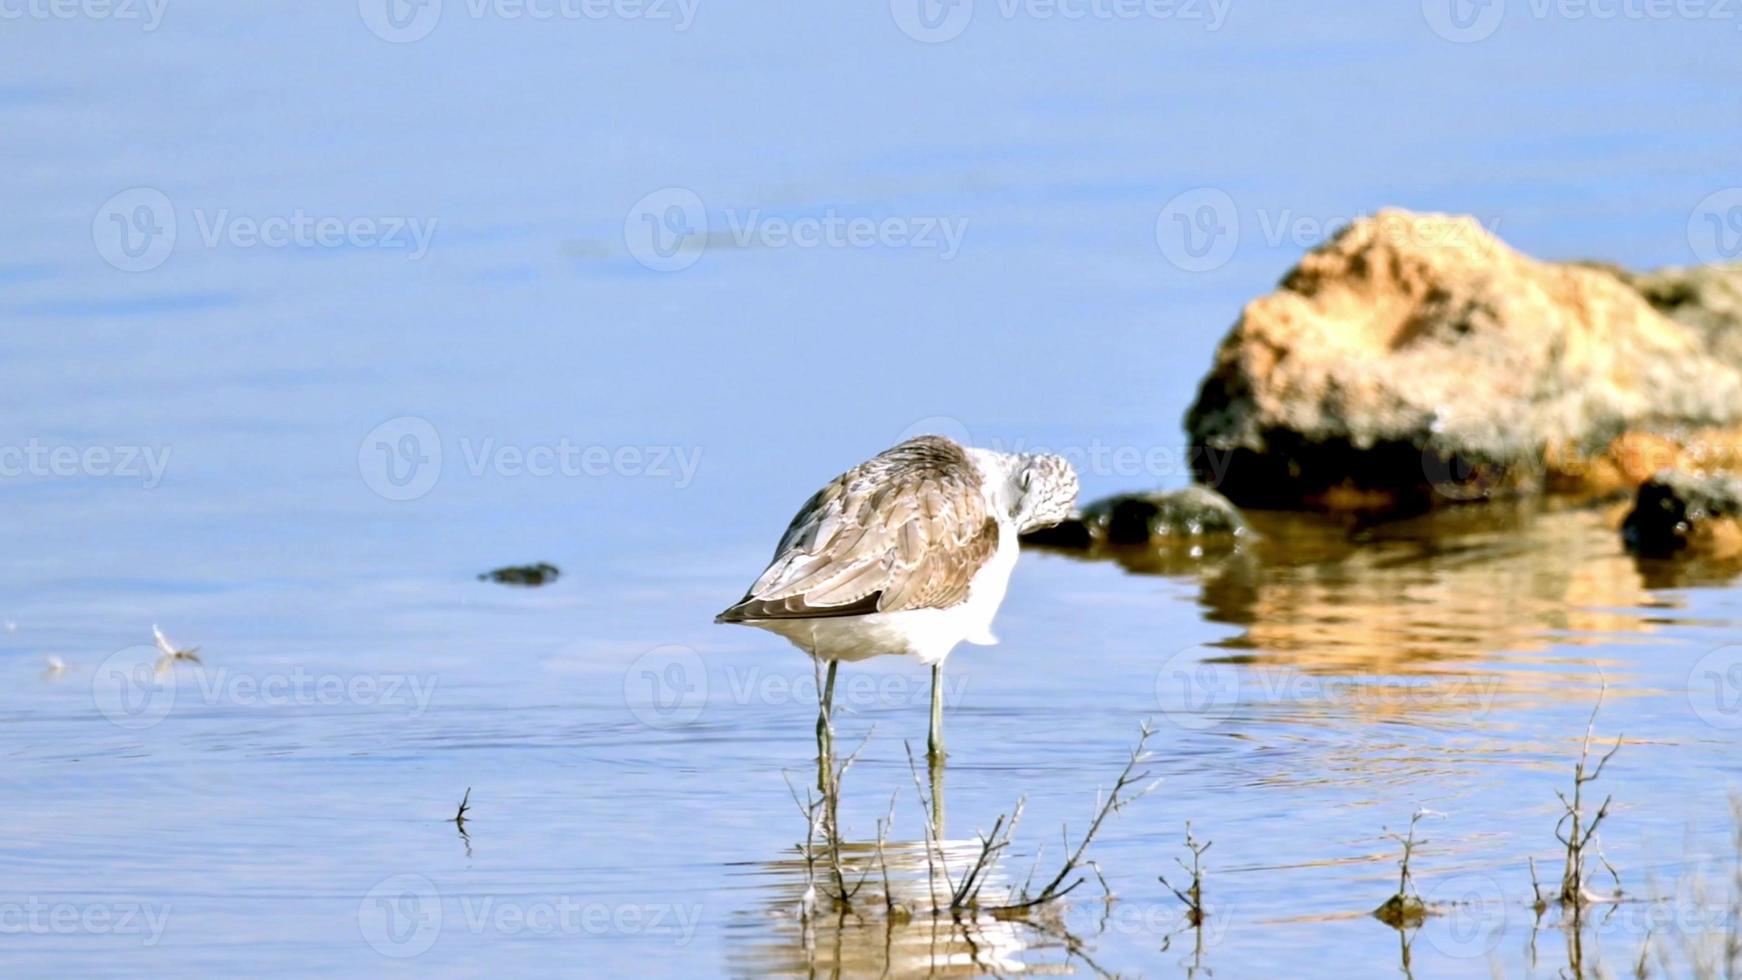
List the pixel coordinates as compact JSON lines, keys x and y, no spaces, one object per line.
{"x":1415,"y":360}
{"x":1679,"y":514}
{"x":1155,"y":518}
{"x":1191,"y":517}
{"x":527,"y":575}
{"x":1069,"y":535}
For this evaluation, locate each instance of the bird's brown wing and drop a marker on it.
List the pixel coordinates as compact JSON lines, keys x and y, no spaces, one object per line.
{"x":905,"y":530}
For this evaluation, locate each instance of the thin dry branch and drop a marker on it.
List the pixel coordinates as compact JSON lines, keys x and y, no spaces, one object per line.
{"x":1116,"y":799}
{"x":1193,"y":896}
{"x":1574,"y":832}
{"x":1406,"y":908}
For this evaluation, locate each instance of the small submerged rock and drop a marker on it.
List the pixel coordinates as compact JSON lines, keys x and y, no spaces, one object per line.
{"x":1680,"y":513}
{"x":527,"y":575}
{"x":1402,"y":912}
{"x":1190,"y":517}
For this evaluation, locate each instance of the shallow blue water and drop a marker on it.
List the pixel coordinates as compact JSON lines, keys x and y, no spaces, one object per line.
{"x":356,"y":679}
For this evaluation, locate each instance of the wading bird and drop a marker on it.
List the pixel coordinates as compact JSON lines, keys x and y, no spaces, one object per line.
{"x":907,"y":553}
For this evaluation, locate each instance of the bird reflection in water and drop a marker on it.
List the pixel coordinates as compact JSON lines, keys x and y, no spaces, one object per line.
{"x":890,"y":931}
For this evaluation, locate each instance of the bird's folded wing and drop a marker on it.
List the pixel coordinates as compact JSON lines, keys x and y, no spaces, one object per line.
{"x":887,"y":536}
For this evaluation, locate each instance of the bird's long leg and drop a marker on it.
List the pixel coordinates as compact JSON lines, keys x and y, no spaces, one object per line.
{"x":935,"y":768}
{"x":825,"y":729}
{"x":935,"y":742}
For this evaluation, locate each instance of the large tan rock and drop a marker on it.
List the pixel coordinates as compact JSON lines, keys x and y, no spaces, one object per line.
{"x":1705,"y":297}
{"x":1416,"y":359}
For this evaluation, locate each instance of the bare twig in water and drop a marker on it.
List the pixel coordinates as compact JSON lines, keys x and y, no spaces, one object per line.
{"x":892,"y":909}
{"x":1106,"y":891}
{"x":819,"y":814}
{"x":1118,"y":798}
{"x":1405,"y":909}
{"x":1538,"y":903}
{"x":459,"y":820}
{"x":827,"y":881}
{"x":1733,"y":939}
{"x":806,"y":851}
{"x":1573,"y":830}
{"x":967,"y":894}
{"x":1193,"y":896}
{"x":168,"y":653}
{"x":1642,"y":968}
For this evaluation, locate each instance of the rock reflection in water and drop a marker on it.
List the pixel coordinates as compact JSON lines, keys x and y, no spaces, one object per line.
{"x":1409,"y":596}
{"x":1450,"y":608}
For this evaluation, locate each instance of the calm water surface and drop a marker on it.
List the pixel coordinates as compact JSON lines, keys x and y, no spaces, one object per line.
{"x":283,"y":807}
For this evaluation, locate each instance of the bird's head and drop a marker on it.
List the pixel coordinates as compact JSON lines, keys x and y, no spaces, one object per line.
{"x":1044,"y":489}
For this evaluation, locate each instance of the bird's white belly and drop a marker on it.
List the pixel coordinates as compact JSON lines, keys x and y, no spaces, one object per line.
{"x":928,"y":635}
